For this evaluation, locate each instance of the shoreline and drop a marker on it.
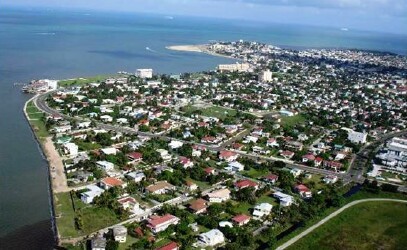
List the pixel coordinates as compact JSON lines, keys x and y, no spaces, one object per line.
{"x":199,"y":48}
{"x":43,"y":150}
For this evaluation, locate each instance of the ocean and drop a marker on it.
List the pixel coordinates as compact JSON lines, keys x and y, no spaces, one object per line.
{"x":64,"y":44}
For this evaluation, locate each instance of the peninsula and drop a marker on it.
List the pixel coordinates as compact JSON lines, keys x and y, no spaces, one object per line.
{"x":243,"y":155}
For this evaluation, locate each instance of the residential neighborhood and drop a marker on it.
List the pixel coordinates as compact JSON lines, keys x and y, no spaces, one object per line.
{"x":220,"y":159}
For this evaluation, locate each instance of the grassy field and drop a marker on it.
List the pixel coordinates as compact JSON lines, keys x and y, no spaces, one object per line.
{"x":94,"y":218}
{"x":82,"y":80}
{"x":292,"y":120}
{"x":213,"y":111}
{"x":35,"y":119}
{"x":371,"y":225}
{"x":254,"y":173}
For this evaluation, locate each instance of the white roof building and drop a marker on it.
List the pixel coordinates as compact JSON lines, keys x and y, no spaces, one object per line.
{"x":93,"y":191}
{"x":211,"y":238}
{"x":70,"y":149}
{"x":109,"y":151}
{"x":105,"y":165}
{"x":262,"y":209}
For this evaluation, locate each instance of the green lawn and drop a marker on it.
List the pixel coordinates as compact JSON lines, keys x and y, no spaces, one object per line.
{"x":35,"y":115}
{"x":268,"y":199}
{"x":254,"y":173}
{"x":86,"y":146}
{"x":94,"y":218}
{"x":371,"y":225}
{"x":242,"y":208}
{"x":292,"y":120}
{"x":84,"y":80}
{"x":218,"y":112}
{"x":213,"y":111}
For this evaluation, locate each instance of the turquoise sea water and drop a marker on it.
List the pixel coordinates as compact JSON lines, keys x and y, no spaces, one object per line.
{"x":58,"y":44}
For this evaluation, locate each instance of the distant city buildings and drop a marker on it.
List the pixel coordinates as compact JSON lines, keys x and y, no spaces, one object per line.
{"x":241,"y":67}
{"x":266,"y":76}
{"x":144,"y":73}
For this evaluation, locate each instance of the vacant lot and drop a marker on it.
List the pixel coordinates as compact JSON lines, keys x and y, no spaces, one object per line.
{"x":371,"y":225}
{"x":82,"y":81}
{"x":94,"y":218}
{"x":290,"y":121}
{"x":214,"y":111}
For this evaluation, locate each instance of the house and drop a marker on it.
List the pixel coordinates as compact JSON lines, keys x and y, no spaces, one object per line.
{"x":198,"y":206}
{"x":245,"y":184}
{"x":164,"y":154}
{"x":135,"y":156}
{"x":272,"y":142}
{"x":330,"y":179}
{"x":130,"y":204}
{"x":70,"y":149}
{"x":296,"y":172}
{"x":186,"y":162}
{"x":170,"y":246}
{"x":210,"y":140}
{"x":160,"y":187}
{"x":109,"y":151}
{"x":110,"y":182}
{"x":197,"y":150}
{"x":63,"y":129}
{"x":98,"y":243}
{"x":92,"y":192}
{"x":336,"y":166}
{"x":106,"y":118}
{"x":137,"y":176}
{"x":318,"y":161}
{"x":82,"y":125}
{"x":271,"y":178}
{"x":211,"y":238}
{"x":287,"y":154}
{"x":105,"y":165}
{"x":285,"y":199}
{"x":303,"y":190}
{"x":219,"y":195}
{"x":308,"y":158}
{"x":160,"y":223}
{"x":120,"y":233}
{"x":234,"y":166}
{"x":191,"y":186}
{"x":261,"y":210}
{"x":228,"y":156}
{"x":175,"y":144}
{"x":237,"y":146}
{"x":295,"y":145}
{"x":241,"y":219}
{"x":209,"y":171}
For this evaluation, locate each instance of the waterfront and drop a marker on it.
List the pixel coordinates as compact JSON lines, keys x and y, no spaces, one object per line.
{"x":48,"y":44}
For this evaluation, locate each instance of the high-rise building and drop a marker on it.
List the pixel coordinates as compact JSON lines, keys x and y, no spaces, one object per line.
{"x":144,"y":73}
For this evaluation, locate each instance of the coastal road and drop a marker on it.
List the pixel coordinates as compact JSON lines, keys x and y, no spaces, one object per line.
{"x":321,"y":222}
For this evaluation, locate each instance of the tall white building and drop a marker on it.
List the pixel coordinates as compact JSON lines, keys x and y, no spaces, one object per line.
{"x":144,"y":73}
{"x":266,"y":76}
{"x":241,"y":67}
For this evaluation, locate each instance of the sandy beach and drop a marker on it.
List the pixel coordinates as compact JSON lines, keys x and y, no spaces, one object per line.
{"x":188,"y":48}
{"x":201,"y":48}
{"x":59,"y":182}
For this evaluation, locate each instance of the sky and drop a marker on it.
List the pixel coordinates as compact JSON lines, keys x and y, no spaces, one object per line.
{"x":372,"y":15}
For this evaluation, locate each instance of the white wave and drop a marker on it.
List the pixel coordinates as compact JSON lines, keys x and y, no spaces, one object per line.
{"x":46,"y":33}
{"x":148,"y":48}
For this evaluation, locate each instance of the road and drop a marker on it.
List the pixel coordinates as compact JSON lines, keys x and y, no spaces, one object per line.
{"x":321,"y":222}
